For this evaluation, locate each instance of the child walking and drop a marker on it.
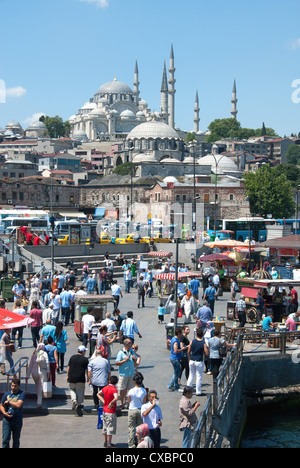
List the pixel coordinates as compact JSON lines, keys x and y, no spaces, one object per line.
{"x":161,"y":313}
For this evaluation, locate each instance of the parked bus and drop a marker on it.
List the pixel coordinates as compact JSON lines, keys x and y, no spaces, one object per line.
{"x":10,"y":224}
{"x":253,"y":228}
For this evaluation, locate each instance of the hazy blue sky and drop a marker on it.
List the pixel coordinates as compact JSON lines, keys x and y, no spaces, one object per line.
{"x":55,"y":54}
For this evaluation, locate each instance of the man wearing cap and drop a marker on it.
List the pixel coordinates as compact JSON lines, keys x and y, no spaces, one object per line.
{"x":77,"y":374}
{"x":241,"y":308}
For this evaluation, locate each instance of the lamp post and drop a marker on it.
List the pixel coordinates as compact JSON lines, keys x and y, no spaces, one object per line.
{"x":216,"y":182}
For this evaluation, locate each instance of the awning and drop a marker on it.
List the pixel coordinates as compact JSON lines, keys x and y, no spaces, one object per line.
{"x":159,"y":254}
{"x":10,"y":319}
{"x":250,"y":292}
{"x":268,"y":283}
{"x":181,"y":275}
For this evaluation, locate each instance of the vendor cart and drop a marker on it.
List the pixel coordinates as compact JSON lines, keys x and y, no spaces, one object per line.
{"x":98,"y":306}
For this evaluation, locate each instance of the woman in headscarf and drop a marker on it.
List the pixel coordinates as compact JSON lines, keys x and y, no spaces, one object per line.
{"x":142,"y":434}
{"x":188,"y":304}
{"x":39,"y":369}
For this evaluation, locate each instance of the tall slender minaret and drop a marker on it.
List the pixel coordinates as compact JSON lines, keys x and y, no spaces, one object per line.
{"x":234,"y":101}
{"x":136,"y":84}
{"x":196,"y":116}
{"x":164,"y":108}
{"x":172,"y":90}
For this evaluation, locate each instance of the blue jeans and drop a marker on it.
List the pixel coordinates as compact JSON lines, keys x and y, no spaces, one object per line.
{"x":102,"y":287}
{"x":187,"y":437}
{"x":13,"y":428}
{"x":177,"y":371}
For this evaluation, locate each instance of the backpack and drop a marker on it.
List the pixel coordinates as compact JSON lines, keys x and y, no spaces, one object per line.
{"x":103,"y":349}
{"x":222,"y":349}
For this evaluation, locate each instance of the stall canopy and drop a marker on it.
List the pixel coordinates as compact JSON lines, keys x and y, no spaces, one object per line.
{"x":181,"y":275}
{"x":288,"y":242}
{"x":159,"y":254}
{"x":268,"y":283}
{"x":10,"y":319}
{"x":215,"y":258}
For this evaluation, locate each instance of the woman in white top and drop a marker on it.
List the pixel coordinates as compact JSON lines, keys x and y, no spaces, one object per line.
{"x":18,"y":309}
{"x":136,"y":397}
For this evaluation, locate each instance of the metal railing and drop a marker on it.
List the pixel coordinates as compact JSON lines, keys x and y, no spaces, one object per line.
{"x":16,"y":369}
{"x":280,"y":342}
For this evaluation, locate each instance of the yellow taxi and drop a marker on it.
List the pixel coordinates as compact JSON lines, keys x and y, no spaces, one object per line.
{"x":63,"y":239}
{"x":104,"y":238}
{"x":156,"y":239}
{"x":125,"y":240}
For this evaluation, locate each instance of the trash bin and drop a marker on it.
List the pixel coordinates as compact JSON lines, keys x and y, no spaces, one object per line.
{"x":170,"y":332}
{"x":6,"y":288}
{"x":231,"y":313}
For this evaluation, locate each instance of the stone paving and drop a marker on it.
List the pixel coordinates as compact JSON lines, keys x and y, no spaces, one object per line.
{"x":65,"y":429}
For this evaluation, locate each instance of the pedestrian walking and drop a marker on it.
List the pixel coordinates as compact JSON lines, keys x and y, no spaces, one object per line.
{"x":141,"y":290}
{"x":77,"y":375}
{"x":53,"y":359}
{"x":175,"y":357}
{"x":37,"y":315}
{"x":125,"y":361}
{"x":196,"y":351}
{"x":6,"y":351}
{"x":109,"y":397}
{"x":152,"y":416}
{"x":98,"y":374}
{"x":87,"y":320}
{"x":39,"y":369}
{"x":116,"y":293}
{"x":11,"y":407}
{"x":60,"y":338}
{"x":187,"y":416}
{"x":129,"y":327}
{"x":136,"y":397}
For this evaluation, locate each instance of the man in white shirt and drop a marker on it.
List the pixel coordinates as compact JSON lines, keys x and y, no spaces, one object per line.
{"x":87,"y":321}
{"x":152,"y":416}
{"x":116,"y":292}
{"x":110,"y":323}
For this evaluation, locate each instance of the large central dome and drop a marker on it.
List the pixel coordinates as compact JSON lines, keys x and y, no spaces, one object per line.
{"x":115,"y":87}
{"x":154,"y":129}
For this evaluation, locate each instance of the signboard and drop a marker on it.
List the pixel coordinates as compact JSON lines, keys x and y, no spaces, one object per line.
{"x":85,"y":233}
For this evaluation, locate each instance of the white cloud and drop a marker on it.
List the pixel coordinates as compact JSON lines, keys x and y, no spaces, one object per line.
{"x":16,"y":92}
{"x":98,"y":3}
{"x":295,"y":44}
{"x":34,"y":118}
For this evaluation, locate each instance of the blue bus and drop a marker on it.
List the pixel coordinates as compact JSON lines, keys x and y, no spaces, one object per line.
{"x":241,"y":228}
{"x":289,"y":222}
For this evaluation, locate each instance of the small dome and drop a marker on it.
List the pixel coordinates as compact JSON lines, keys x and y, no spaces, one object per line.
{"x":171,"y":180}
{"x":219,"y":163}
{"x":153,"y":129}
{"x":97,"y":111}
{"x":13,"y":125}
{"x":80,"y":136}
{"x":128,"y":114}
{"x":38,"y":125}
{"x":89,"y":105}
{"x":144,"y":157}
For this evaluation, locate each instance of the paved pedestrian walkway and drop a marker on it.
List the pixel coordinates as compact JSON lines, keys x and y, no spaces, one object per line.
{"x":71,"y":431}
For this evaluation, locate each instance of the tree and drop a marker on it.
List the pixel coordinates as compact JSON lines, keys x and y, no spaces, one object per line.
{"x":223,"y":128}
{"x":269,"y":192}
{"x":124,"y":169}
{"x":190,"y":137}
{"x":291,"y":172}
{"x":56,"y":127}
{"x":293,"y":154}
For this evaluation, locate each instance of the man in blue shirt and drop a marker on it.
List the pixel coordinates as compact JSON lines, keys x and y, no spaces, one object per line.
{"x":268,"y":324}
{"x":204,"y":314}
{"x":66,"y":303}
{"x":210,"y":296}
{"x":125,"y":360}
{"x":11,"y":407}
{"x":91,"y":285}
{"x":129,"y":327}
{"x":195,"y":285}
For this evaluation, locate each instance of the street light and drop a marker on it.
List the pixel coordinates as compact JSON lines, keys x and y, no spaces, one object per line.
{"x":216,"y":181}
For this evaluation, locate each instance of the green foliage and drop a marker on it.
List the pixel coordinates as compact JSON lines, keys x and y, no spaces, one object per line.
{"x":231,"y":128}
{"x":124,"y":169}
{"x":56,"y":127}
{"x":269,"y":189}
{"x":291,"y":172}
{"x":190,"y":137}
{"x":293,"y":154}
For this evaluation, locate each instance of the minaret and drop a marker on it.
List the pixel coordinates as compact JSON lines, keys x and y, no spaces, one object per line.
{"x":196,"y":116}
{"x":234,"y":102}
{"x":136,"y":84}
{"x":164,"y":108}
{"x":172,"y":90}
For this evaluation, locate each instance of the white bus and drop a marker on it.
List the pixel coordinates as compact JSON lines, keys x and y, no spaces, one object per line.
{"x":11,"y":224}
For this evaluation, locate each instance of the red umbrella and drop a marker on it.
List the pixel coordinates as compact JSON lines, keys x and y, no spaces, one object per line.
{"x":10,"y":319}
{"x":159,"y":254}
{"x":215,"y":258}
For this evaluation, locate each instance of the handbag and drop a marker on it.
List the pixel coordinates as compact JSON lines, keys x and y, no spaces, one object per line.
{"x":222,"y":349}
{"x":100,"y":417}
{"x":103,"y":349}
{"x":179,"y":312}
{"x":12,"y":348}
{"x":47,"y":389}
